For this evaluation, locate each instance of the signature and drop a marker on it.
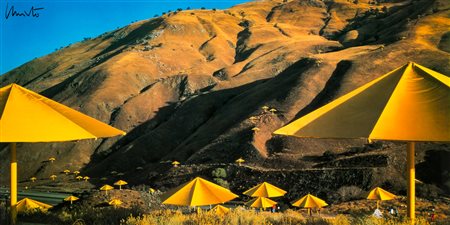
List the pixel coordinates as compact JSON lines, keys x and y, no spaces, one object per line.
{"x":11,"y":11}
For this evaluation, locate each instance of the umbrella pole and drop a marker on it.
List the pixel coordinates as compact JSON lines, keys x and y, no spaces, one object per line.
{"x":411,"y":181}
{"x":13,"y":186}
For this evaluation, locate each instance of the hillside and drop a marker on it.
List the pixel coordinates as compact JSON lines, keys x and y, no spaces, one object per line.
{"x":190,"y":86}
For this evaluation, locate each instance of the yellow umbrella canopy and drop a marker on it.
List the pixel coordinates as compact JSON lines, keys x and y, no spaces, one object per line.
{"x":71,"y":199}
{"x":410,"y":103}
{"x":29,"y":117}
{"x":198,"y":192}
{"x":382,"y":109}
{"x":27,"y":204}
{"x":260,"y":202}
{"x":310,"y":201}
{"x":26,"y":116}
{"x":220,"y":210}
{"x":115,"y":202}
{"x":380,"y":194}
{"x":265,"y":190}
{"x":120,"y":183}
{"x":106,"y":188}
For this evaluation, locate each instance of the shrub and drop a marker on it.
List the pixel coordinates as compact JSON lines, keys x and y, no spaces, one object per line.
{"x":348,"y":193}
{"x":219,"y":173}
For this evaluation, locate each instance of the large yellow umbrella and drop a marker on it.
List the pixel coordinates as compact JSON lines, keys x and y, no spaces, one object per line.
{"x":106,"y":188}
{"x":198,"y":192}
{"x":411,"y":103}
{"x":380,"y":194}
{"x":309,"y":201}
{"x":120,"y":183}
{"x":26,"y":116}
{"x":265,"y":190}
{"x":27,"y":204}
{"x":220,"y":210}
{"x":260,"y":202}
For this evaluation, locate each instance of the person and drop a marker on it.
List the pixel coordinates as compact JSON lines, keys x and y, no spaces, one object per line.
{"x":377,"y":213}
{"x":433,"y":215}
{"x":274,"y":207}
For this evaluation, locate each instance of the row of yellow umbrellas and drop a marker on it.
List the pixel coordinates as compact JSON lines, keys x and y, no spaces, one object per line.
{"x":107,"y":187}
{"x":199,"y":192}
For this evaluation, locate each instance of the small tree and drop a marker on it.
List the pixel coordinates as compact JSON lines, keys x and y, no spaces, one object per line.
{"x":219,"y":173}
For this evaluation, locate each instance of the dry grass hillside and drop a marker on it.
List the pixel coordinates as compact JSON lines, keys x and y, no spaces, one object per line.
{"x":190,"y":86}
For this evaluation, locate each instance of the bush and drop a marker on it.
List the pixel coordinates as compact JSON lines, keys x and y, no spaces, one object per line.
{"x":348,"y":193}
{"x":219,"y":173}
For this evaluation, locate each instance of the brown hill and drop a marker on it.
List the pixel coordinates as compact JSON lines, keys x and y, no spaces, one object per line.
{"x":185,"y":85}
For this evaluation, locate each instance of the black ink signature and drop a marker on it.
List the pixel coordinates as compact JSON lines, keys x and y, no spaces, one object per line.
{"x":33,"y":12}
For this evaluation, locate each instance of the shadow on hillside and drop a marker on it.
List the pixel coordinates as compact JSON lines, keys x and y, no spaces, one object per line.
{"x":190,"y":125}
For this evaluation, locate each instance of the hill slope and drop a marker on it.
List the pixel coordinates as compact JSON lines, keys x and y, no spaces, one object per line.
{"x":183,"y":86}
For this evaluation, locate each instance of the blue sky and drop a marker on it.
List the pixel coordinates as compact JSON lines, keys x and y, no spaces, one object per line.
{"x":62,"y":22}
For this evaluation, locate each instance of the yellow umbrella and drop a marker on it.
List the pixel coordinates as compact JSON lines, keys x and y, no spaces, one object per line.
{"x":380,"y":194}
{"x":260,"y":202}
{"x":76,"y":172}
{"x":26,"y":116}
{"x":79,"y":177}
{"x":51,"y":159}
{"x":33,"y":179}
{"x":71,"y":199}
{"x":175,"y":163}
{"x":120,"y":183}
{"x":66,"y":172}
{"x":53,"y":177}
{"x":27,"y":204}
{"x":86,"y":178}
{"x":106,"y":188}
{"x":220,"y":210}
{"x":265,"y":190}
{"x":115,"y":202}
{"x":411,"y":103}
{"x":310,"y":201}
{"x":151,"y":190}
{"x":240,"y":161}
{"x":198,"y":192}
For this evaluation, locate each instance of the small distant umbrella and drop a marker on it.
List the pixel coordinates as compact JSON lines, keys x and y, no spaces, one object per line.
{"x":253,"y":118}
{"x":310,"y":201}
{"x":53,"y":177}
{"x":265,"y":190}
{"x":51,"y":159}
{"x":380,"y":194}
{"x":120,"y":183}
{"x":220,"y":210}
{"x":79,"y":177}
{"x":265,"y":108}
{"x":151,"y":190}
{"x":106,"y":188}
{"x":66,"y":172}
{"x":260,"y":202}
{"x":76,"y":172}
{"x":71,"y":199}
{"x":104,"y":178}
{"x":239,"y":161}
{"x":113,"y":172}
{"x":175,"y":163}
{"x":86,"y":178}
{"x":27,"y":205}
{"x":273,"y":111}
{"x":139,"y":168}
{"x":33,"y":179}
{"x":115,"y":202}
{"x":198,"y":192}
{"x":255,"y":129}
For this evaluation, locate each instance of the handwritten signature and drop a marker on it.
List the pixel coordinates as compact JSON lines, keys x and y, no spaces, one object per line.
{"x":11,"y":11}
